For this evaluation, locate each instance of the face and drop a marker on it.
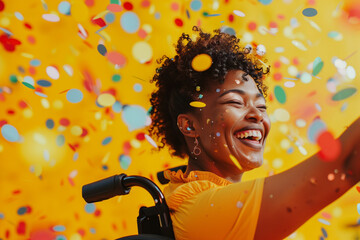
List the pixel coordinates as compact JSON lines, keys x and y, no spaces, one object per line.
{"x":233,"y":126}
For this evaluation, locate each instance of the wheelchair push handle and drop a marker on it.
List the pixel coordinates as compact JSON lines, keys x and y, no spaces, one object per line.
{"x":105,"y":189}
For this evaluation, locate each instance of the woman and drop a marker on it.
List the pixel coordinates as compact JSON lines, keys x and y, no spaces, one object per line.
{"x":216,"y":117}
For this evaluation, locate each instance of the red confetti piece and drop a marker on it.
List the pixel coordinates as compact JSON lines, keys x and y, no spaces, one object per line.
{"x":97,"y":213}
{"x":273,"y":25}
{"x":64,"y":122}
{"x":2,"y":122}
{"x":179,"y":22}
{"x":126,"y":148}
{"x":128,"y":6}
{"x":9,"y":43}
{"x":116,"y":58}
{"x":42,"y":234}
{"x":114,"y":8}
{"x":358,"y":188}
{"x":84,"y":132}
{"x":31,"y":39}
{"x":330,"y":148}
{"x":295,"y":61}
{"x":89,"y":3}
{"x":99,"y":21}
{"x":231,"y":18}
{"x":277,"y":76}
{"x":252,"y":26}
{"x":81,"y":232}
{"x":21,"y":228}
{"x":17,"y":191}
{"x":2,"y":6}
{"x":27,"y":25}
{"x":277,"y":64}
{"x":32,"y":70}
{"x":11,"y":112}
{"x":326,"y":215}
{"x":142,"y":33}
{"x":22,"y":104}
{"x":140,"y":136}
{"x":145,"y":3}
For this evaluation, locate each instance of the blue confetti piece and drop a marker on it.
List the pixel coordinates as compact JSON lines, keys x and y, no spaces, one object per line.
{"x":35,"y":62}
{"x":130,"y":22}
{"x":134,"y":117}
{"x":59,"y":228}
{"x":10,"y":133}
{"x":50,"y":124}
{"x":74,"y":95}
{"x":117,"y":107}
{"x":102,"y":49}
{"x":309,"y":12}
{"x":105,"y":167}
{"x":76,"y":156}
{"x":2,"y":216}
{"x":265,"y":2}
{"x":290,"y":150}
{"x":64,"y":8}
{"x":124,"y":161}
{"x":358,"y":208}
{"x":92,"y":230}
{"x":324,"y":232}
{"x":213,"y":15}
{"x":195,"y":5}
{"x":137,"y":87}
{"x":6,"y":31}
{"x":60,"y":140}
{"x":157,"y":15}
{"x":106,"y":141}
{"x":41,"y":94}
{"x":22,"y":210}
{"x":44,"y":83}
{"x":333,"y":34}
{"x":109,"y":17}
{"x":90,"y":208}
{"x":315,"y":128}
{"x":324,"y":221}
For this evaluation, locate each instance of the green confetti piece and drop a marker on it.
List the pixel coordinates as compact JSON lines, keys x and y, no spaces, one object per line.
{"x":114,"y":2}
{"x":13,"y":79}
{"x":28,"y":85}
{"x":280,"y":94}
{"x":343,"y":94}
{"x":317,"y":66}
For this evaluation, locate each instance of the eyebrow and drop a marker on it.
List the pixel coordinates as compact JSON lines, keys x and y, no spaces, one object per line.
{"x":241,"y":92}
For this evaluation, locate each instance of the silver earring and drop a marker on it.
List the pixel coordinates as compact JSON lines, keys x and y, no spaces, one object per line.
{"x":196,"y":151}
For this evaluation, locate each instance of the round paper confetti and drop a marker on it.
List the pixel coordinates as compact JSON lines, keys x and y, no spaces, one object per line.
{"x":117,"y":107}
{"x":344,"y":94}
{"x":317,"y":66}
{"x":265,"y":2}
{"x":51,"y":17}
{"x":74,"y":95}
{"x":130,"y":22}
{"x":43,"y":83}
{"x":134,"y":117}
{"x":124,"y":161}
{"x":110,"y":17}
{"x":52,"y":72}
{"x":350,"y":72}
{"x":330,"y":148}
{"x":116,"y":78}
{"x":106,"y":99}
{"x":102,"y":49}
{"x":195,"y":5}
{"x":106,"y":141}
{"x":10,"y":133}
{"x":60,"y":140}
{"x":281,"y":115}
{"x":280,"y":94}
{"x":142,"y":52}
{"x":309,"y":12}
{"x":64,"y":8}
{"x":116,"y":58}
{"x":90,"y":208}
{"x":50,"y":124}
{"x":315,"y":128}
{"x":201,"y":62}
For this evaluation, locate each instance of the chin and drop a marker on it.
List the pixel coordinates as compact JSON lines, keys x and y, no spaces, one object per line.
{"x":252,"y":165}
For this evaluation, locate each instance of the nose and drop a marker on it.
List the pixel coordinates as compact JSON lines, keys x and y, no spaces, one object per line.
{"x":254,"y":114}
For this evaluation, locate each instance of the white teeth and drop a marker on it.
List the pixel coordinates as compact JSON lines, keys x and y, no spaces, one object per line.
{"x":256,"y":134}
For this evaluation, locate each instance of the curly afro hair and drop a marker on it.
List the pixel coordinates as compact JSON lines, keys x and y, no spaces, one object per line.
{"x":177,"y":82}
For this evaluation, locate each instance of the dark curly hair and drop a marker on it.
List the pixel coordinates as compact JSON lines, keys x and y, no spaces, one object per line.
{"x":178,"y":83}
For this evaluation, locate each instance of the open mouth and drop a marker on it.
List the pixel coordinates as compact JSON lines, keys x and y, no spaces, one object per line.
{"x":250,"y":137}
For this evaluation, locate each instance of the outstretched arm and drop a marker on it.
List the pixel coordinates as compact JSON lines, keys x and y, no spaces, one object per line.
{"x":293,"y":196}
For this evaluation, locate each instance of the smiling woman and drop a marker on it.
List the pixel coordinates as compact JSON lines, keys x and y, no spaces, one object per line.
{"x":215,"y":116}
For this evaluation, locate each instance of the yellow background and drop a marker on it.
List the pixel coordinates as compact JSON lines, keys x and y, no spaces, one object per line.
{"x":52,"y":189}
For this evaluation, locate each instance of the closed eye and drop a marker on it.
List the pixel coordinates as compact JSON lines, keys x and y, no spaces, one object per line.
{"x":235,"y":102}
{"x":264,"y":107}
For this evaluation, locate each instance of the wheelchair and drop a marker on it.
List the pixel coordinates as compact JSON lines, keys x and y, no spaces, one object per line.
{"x":154,"y":223}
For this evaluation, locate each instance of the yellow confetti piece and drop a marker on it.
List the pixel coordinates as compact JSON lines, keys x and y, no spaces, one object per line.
{"x":106,"y":99}
{"x":197,"y":104}
{"x":235,"y":161}
{"x":76,"y":131}
{"x":135,"y":143}
{"x":75,"y":236}
{"x":201,"y":62}
{"x":58,"y":104}
{"x":28,"y":113}
{"x":105,"y":158}
{"x":100,"y":15}
{"x":142,"y":51}
{"x":45,"y":103}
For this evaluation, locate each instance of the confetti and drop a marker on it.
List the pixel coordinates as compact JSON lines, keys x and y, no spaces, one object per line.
{"x":280,"y":94}
{"x":344,"y":94}
{"x":197,"y":104}
{"x":10,"y":133}
{"x":52,"y":72}
{"x":309,"y":12}
{"x":74,"y":95}
{"x":330,"y":148}
{"x":106,"y":99}
{"x":239,"y":13}
{"x":195,"y":5}
{"x":317,"y":66}
{"x":134,"y":117}
{"x":130,"y":22}
{"x":142,"y":52}
{"x":201,"y":62}
{"x":151,"y":141}
{"x":125,"y":161}
{"x":64,"y":7}
{"x":236,"y":162}
{"x":51,"y":17}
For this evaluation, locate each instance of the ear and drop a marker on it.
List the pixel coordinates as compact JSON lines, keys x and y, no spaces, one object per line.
{"x":186,"y":125}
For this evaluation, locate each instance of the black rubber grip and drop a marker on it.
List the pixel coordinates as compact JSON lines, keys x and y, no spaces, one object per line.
{"x":104,"y":189}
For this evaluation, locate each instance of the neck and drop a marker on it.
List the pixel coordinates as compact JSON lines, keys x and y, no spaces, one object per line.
{"x":210,"y":166}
